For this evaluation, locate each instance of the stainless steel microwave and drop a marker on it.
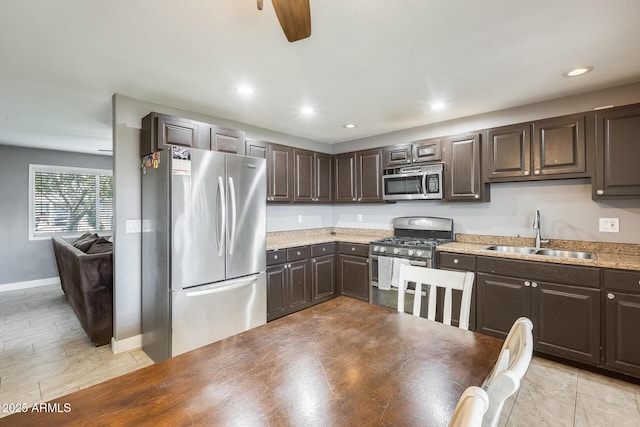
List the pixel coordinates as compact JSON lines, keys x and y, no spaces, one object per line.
{"x":420,"y":182}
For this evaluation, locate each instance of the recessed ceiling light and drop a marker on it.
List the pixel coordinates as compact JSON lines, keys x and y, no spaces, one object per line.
{"x":350,"y":126}
{"x":437,"y":106}
{"x":245,"y":90}
{"x":578,"y":71}
{"x":306,"y":110}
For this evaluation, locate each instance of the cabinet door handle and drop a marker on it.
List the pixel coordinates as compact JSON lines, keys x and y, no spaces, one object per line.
{"x":611,"y":296}
{"x":275,"y":257}
{"x":600,"y":192}
{"x":314,"y":261}
{"x":534,"y":285}
{"x":476,"y":196}
{"x":527,"y":283}
{"x":354,"y":199}
{"x":353,"y":249}
{"x":455,"y":261}
{"x":298,"y":253}
{"x":526,"y":172}
{"x":536,"y":172}
{"x":324,"y":249}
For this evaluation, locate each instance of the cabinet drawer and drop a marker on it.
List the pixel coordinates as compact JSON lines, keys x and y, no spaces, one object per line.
{"x":295,"y":254}
{"x":626,"y":281}
{"x":541,"y":271}
{"x":354,"y":249}
{"x":457,"y":261}
{"x":323,"y":249}
{"x":277,"y":256}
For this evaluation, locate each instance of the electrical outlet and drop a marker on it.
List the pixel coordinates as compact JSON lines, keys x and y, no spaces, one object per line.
{"x":359,"y":218}
{"x":299,"y":218}
{"x":609,"y":225}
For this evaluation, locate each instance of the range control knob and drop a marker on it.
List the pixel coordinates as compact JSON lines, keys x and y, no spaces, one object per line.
{"x":376,"y":248}
{"x":396,"y":251}
{"x":410,"y":252}
{"x":383,"y":249}
{"x":419,"y":253}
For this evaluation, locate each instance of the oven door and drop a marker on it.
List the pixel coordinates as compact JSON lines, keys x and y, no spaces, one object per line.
{"x":412,"y":186}
{"x":389,"y":298}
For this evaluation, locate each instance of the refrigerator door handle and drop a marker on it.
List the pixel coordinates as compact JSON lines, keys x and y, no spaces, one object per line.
{"x":222,"y":206}
{"x":229,"y":286}
{"x":232,"y":233}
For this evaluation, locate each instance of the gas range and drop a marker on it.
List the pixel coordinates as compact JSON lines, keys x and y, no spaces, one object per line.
{"x":414,"y":237}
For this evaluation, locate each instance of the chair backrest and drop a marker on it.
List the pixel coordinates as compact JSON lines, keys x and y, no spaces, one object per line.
{"x":470,"y":409}
{"x":434,"y":279}
{"x":506,"y":376}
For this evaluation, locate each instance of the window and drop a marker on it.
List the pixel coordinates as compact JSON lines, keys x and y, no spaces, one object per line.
{"x":67,"y":200}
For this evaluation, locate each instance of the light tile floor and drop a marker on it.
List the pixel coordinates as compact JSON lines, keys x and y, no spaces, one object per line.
{"x":45,"y":354}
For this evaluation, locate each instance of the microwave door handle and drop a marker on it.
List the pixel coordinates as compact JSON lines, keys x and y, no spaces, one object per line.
{"x":424,"y":185}
{"x":222,"y":218}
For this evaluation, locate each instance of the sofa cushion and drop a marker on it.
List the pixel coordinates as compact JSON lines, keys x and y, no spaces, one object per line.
{"x":100,"y":246}
{"x":85,"y":241}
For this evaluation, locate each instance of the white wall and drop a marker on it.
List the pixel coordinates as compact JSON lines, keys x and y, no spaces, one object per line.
{"x":566,"y":210}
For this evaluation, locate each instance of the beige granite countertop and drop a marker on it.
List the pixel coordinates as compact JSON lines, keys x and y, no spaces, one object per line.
{"x":608,"y":255}
{"x":288,"y":239}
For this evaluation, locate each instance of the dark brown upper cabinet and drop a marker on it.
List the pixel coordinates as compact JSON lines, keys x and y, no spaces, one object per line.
{"x":559,"y":146}
{"x":279,"y":173}
{"x":256,"y":148}
{"x":508,"y":152}
{"x":617,"y":174}
{"x":227,"y":140}
{"x":462,"y":175}
{"x":161,"y":131}
{"x":544,"y":149}
{"x":358,"y":177}
{"x":428,"y":150}
{"x":396,"y":155}
{"x":313,"y":177}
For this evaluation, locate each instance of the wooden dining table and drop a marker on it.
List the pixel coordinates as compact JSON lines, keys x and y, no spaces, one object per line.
{"x":342,"y":362}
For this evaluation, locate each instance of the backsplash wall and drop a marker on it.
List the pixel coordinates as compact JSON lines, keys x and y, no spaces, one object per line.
{"x":566,"y":210}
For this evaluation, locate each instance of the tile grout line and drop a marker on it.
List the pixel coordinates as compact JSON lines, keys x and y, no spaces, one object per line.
{"x":575,"y":399}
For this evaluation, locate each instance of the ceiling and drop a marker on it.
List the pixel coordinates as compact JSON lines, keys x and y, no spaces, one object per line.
{"x":377,"y":64}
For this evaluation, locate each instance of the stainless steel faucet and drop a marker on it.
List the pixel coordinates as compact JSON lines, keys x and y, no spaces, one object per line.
{"x":536,"y":226}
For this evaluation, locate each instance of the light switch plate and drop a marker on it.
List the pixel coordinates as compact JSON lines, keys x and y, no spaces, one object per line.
{"x":359,"y":218}
{"x":299,"y":218}
{"x":609,"y":225}
{"x":133,"y":226}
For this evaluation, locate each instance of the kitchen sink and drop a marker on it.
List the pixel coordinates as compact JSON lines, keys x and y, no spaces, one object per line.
{"x":565,"y":254}
{"x":512,"y":249}
{"x":545,"y":252}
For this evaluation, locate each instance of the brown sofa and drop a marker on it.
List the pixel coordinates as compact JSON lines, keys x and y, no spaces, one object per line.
{"x":87,"y":281}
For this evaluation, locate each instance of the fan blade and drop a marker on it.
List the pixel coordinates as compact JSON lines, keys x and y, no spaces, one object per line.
{"x":294,"y":17}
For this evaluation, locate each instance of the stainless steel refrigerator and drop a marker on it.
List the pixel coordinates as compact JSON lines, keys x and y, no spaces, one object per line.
{"x":203,"y":249}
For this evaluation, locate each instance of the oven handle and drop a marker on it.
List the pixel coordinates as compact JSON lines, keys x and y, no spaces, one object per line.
{"x":411,"y":262}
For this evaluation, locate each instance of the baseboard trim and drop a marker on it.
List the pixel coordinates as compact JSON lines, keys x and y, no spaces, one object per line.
{"x":127,"y":344}
{"x":30,"y":284}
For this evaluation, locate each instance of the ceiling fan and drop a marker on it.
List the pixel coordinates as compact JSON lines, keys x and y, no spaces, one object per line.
{"x":294,"y":17}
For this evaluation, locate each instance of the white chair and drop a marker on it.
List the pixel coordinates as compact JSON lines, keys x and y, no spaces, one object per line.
{"x":434,"y":278}
{"x":470,"y":409}
{"x":506,"y":376}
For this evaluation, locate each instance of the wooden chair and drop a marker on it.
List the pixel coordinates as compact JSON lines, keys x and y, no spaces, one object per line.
{"x":434,"y":278}
{"x":506,"y":376}
{"x":470,"y":409}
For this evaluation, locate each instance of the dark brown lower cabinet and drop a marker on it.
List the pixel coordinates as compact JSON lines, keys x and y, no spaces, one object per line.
{"x":622,"y":351}
{"x":353,"y":271}
{"x":566,"y":316}
{"x":622,"y":313}
{"x":299,"y":277}
{"x":458,"y":262}
{"x":276,"y":292}
{"x":566,"y":321}
{"x":323,"y":274}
